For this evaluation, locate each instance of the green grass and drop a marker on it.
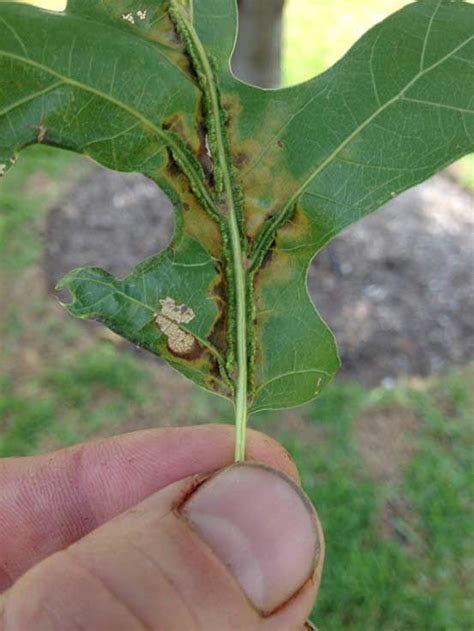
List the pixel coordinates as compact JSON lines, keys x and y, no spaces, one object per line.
{"x":421,"y":577}
{"x":25,"y":195}
{"x":93,"y":392}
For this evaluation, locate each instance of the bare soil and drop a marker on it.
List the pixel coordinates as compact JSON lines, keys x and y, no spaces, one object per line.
{"x":386,"y":440}
{"x":397,"y":288}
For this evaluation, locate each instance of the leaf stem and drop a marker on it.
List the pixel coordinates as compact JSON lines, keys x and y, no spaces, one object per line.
{"x":241,"y":411}
{"x":224,"y":183}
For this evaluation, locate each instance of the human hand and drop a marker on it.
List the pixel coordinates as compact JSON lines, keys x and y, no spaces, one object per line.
{"x":137,"y":532}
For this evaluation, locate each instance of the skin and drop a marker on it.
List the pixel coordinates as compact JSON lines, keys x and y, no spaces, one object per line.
{"x":93,"y":537}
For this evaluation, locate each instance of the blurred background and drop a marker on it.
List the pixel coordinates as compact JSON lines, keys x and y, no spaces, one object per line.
{"x":386,"y":453}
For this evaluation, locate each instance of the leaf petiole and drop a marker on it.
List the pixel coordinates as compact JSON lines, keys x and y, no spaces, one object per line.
{"x":229,"y":207}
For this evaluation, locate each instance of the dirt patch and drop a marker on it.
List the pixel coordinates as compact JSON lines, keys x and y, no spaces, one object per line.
{"x":293,"y":424}
{"x":110,"y":220}
{"x":39,"y":321}
{"x":396,"y":288}
{"x":384,"y":437}
{"x":173,"y":408}
{"x":385,"y":440}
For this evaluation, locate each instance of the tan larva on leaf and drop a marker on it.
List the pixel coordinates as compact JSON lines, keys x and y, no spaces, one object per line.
{"x":3,"y":169}
{"x":142,"y":14}
{"x":168,"y":320}
{"x":128,"y":17}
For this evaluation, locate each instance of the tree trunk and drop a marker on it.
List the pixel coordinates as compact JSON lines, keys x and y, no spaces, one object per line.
{"x":257,"y":58}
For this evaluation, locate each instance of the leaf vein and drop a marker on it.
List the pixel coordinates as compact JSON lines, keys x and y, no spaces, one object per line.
{"x":15,"y":35}
{"x":30,"y":97}
{"x":371,"y":66}
{"x":291,"y":374}
{"x":428,"y":34}
{"x":438,"y":105}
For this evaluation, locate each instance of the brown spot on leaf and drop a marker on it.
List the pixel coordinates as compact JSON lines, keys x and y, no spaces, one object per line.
{"x":232,"y":107}
{"x":214,"y":369}
{"x":218,"y":335}
{"x":176,"y":124}
{"x":195,"y":352}
{"x":177,"y":313}
{"x":241,"y":159}
{"x":204,"y":154}
{"x":278,"y":269}
{"x":295,"y":230}
{"x":180,"y":341}
{"x":267,"y":259}
{"x":173,"y":169}
{"x":212,"y":383}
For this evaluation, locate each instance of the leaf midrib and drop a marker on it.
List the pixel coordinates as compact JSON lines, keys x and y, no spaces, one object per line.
{"x":240,"y":276}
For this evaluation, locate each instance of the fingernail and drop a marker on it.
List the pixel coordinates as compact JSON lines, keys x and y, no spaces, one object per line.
{"x":262,"y":527}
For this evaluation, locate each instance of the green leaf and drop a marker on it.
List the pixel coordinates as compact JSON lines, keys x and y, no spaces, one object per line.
{"x":260,"y":180}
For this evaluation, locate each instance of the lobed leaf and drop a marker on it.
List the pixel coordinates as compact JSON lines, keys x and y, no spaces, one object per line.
{"x":261,"y":180}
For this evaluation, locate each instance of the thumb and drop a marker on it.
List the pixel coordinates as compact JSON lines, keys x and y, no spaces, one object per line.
{"x":242,"y":549}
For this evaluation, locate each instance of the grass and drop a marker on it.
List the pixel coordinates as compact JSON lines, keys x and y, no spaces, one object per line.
{"x":418,"y":573}
{"x":19,"y":245}
{"x":72,"y":401}
{"x":399,"y":546}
